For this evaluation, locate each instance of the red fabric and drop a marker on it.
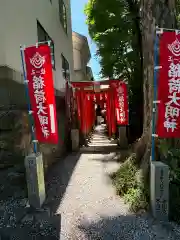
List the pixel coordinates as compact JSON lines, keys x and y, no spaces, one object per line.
{"x":83,"y":113}
{"x":88,"y":112}
{"x":108,"y":107}
{"x":110,"y":97}
{"x":112,"y":111}
{"x":67,"y":101}
{"x":87,"y":109}
{"x":121,"y":101}
{"x":99,"y":98}
{"x":41,"y":92}
{"x":168,"y":120}
{"x":78,"y":100}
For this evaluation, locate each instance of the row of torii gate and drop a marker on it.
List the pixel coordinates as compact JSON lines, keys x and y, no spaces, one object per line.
{"x":111,"y":95}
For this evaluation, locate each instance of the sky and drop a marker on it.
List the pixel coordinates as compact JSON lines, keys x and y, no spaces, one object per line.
{"x":79,"y":25}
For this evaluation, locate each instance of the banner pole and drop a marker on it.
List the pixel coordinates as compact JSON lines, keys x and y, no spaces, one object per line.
{"x":28,"y":101}
{"x":154,"y":98}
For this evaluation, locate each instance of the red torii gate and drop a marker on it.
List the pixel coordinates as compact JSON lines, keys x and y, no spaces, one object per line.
{"x":111,"y":92}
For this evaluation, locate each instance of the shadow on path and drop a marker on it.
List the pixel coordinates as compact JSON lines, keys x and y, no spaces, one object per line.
{"x":99,"y":149}
{"x":129,"y":227}
{"x":58,"y":179}
{"x":43,"y":224}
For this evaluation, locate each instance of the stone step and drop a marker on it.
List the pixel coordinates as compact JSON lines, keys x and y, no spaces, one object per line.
{"x":100,"y":141}
{"x":101,"y":144}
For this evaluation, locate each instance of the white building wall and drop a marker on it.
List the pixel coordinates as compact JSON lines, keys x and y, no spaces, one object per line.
{"x":2,"y":37}
{"x":77,"y":59}
{"x":79,"y":76}
{"x":81,"y":55}
{"x":18,"y":25}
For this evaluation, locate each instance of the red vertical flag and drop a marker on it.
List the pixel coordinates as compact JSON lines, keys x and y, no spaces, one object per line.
{"x":108,"y":108}
{"x":112,"y":111}
{"x":41,"y":92}
{"x":168,"y":119}
{"x":121,"y":101}
{"x":88,"y":116}
{"x":79,"y":112}
{"x":67,"y":97}
{"x":83,"y":113}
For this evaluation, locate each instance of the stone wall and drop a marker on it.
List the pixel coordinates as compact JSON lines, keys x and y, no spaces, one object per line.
{"x":15,"y":137}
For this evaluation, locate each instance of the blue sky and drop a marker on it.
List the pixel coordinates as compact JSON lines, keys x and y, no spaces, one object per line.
{"x":79,"y":25}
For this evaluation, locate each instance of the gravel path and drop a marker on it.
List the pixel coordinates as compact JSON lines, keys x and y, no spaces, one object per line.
{"x":81,"y":203}
{"x":90,"y":208}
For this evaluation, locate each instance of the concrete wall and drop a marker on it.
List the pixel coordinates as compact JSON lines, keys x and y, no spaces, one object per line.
{"x":81,"y":53}
{"x":18,"y":25}
{"x":2,"y":38}
{"x":79,"y":76}
{"x":77,"y":59}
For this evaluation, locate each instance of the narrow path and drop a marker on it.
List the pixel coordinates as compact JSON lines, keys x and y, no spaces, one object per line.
{"x":90,"y":208}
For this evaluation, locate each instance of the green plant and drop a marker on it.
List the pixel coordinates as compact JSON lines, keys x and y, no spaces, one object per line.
{"x":115,"y":27}
{"x":136,"y":198}
{"x":125,"y":177}
{"x":131,"y":185}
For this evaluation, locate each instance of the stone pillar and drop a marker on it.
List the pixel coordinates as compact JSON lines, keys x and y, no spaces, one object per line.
{"x":99,"y":120}
{"x":123,"y":141}
{"x":35,"y":180}
{"x":75,"y":139}
{"x":159,"y":184}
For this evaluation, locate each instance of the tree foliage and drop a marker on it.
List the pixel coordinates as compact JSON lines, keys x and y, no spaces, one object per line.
{"x":112,"y":27}
{"x":115,"y":27}
{"x":124,"y":32}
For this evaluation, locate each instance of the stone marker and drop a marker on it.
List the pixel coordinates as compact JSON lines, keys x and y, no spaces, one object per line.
{"x":159,"y":190}
{"x":123,"y":141}
{"x":35,"y":180}
{"x":99,"y":119}
{"x":75,"y":139}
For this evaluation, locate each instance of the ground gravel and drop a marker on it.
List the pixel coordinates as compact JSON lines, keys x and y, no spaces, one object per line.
{"x":82,"y":204}
{"x":91,"y":210}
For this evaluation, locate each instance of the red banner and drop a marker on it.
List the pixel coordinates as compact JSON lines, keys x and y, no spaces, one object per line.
{"x":121,"y":101}
{"x":168,"y":120}
{"x":108,"y":107}
{"x":41,"y":92}
{"x":112,"y":112}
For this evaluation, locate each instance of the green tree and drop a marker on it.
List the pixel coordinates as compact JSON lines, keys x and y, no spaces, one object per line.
{"x":124,"y":32}
{"x":115,"y":27}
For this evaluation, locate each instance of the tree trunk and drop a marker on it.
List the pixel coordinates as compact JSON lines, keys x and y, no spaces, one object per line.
{"x":154,"y":13}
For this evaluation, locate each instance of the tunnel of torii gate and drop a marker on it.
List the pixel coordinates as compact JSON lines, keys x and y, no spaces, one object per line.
{"x":111,"y":96}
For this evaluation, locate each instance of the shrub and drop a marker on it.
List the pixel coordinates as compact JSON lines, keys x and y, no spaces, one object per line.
{"x":129,"y":185}
{"x":124,"y":178}
{"x":137,"y":199}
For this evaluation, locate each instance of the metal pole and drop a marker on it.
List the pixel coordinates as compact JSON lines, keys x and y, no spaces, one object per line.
{"x":154,"y":98}
{"x":28,"y":101}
